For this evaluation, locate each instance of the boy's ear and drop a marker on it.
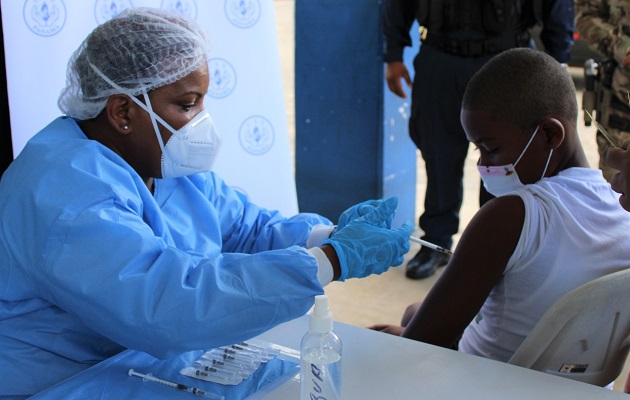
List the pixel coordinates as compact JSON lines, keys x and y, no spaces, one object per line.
{"x":553,"y":131}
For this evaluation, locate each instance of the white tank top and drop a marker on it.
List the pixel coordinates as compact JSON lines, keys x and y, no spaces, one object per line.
{"x":574,"y":231}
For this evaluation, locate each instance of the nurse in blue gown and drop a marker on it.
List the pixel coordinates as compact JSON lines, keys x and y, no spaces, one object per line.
{"x":115,"y":233}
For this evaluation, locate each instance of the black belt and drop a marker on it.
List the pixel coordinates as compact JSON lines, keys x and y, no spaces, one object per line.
{"x":619,"y":104}
{"x":619,"y":123}
{"x":476,"y":48}
{"x":615,"y":121}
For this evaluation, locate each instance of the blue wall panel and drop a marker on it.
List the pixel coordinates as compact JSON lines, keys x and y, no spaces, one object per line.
{"x":346,"y":152}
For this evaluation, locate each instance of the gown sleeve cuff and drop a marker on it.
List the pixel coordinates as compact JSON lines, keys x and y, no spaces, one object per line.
{"x":324,"y":267}
{"x":319,"y":233}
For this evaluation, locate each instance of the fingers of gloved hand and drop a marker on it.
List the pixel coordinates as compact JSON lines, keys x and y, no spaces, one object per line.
{"x":394,"y":246}
{"x":356,"y":211}
{"x":364,"y":249}
{"x":383,"y":213}
{"x":390,"y":204}
{"x":406,"y":229}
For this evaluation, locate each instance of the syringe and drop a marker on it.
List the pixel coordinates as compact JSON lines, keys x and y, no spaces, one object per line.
{"x":198,"y":392}
{"x":603,"y":130}
{"x":430,"y":245}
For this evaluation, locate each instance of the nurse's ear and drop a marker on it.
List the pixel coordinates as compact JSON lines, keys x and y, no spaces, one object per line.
{"x":552,"y":131}
{"x":118,"y":110}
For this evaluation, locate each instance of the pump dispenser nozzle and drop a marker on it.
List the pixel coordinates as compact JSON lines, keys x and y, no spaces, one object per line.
{"x":321,"y":320}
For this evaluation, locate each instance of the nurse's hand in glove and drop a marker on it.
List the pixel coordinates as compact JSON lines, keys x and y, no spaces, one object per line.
{"x":362,"y":209}
{"x":365,"y":246}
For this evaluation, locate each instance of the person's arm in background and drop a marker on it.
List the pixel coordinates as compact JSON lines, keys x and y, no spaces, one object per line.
{"x":597,"y":27}
{"x":558,"y":26}
{"x":619,"y":159}
{"x":397,"y":18}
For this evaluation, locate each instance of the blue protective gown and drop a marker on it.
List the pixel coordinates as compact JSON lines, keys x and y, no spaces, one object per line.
{"x":91,"y":262}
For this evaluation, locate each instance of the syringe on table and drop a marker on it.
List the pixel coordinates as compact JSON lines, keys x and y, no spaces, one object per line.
{"x":189,"y":389}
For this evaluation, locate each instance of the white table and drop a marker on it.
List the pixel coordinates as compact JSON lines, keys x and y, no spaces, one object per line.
{"x":375,"y":366}
{"x":381,"y":366}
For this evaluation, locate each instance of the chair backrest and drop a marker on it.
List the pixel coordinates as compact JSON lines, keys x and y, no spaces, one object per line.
{"x":584,"y":335}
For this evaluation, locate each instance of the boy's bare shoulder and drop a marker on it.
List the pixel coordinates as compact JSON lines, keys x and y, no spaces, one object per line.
{"x":502,"y":211}
{"x":497,"y":224}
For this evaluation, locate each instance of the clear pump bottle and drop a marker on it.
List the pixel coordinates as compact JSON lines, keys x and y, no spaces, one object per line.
{"x":320,"y":354}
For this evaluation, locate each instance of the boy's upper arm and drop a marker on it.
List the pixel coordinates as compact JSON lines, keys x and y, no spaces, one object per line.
{"x":478,"y":263}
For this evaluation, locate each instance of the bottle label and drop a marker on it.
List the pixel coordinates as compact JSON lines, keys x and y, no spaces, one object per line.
{"x":321,"y":381}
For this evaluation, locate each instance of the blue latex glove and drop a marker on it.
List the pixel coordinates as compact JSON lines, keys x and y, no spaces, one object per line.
{"x":365,"y":247}
{"x":362,"y":209}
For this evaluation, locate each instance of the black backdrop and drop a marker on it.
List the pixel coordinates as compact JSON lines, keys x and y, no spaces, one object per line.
{"x":6,"y":149}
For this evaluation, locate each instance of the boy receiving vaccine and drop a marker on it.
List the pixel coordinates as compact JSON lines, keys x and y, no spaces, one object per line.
{"x":554,"y":225}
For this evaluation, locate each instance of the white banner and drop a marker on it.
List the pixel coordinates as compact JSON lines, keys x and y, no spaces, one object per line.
{"x":245,"y":97}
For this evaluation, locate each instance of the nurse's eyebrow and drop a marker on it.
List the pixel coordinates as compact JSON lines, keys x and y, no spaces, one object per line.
{"x":195,"y":93}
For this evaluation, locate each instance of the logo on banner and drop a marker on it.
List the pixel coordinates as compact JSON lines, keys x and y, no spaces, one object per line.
{"x":222,"y":78}
{"x":256,"y":135}
{"x":242,"y":13}
{"x":186,"y":7}
{"x":45,"y":17}
{"x":104,"y":10}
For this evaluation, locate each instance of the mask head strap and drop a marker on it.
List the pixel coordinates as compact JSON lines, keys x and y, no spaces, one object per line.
{"x":146,"y":107}
{"x":547,"y":164}
{"x":527,"y":145}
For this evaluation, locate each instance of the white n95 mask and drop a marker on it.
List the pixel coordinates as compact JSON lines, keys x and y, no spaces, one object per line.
{"x":191,"y":149}
{"x":500,"y":180}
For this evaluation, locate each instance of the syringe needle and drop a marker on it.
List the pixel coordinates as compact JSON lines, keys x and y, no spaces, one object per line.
{"x":603,"y":130}
{"x":430,"y":245}
{"x":189,"y":389}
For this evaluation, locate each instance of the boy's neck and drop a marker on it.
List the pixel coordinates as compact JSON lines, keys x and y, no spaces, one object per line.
{"x":574,"y":159}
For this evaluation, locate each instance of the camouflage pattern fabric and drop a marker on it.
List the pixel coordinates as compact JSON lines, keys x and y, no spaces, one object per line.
{"x":605,"y":26}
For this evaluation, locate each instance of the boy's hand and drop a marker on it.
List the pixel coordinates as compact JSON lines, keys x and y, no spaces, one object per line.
{"x":386,"y":328}
{"x":619,"y":159}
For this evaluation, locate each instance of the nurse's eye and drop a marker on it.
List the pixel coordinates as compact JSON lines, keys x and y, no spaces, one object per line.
{"x":187,"y":107}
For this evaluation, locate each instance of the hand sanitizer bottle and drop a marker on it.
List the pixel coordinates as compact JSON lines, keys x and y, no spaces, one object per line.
{"x":320,"y":355}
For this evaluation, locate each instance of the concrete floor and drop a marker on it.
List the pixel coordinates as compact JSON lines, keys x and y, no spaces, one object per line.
{"x":383,"y":298}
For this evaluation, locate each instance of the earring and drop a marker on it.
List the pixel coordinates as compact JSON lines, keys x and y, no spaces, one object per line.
{"x":125,"y":127}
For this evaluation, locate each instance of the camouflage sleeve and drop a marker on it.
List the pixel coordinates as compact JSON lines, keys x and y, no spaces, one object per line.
{"x":603,"y":27}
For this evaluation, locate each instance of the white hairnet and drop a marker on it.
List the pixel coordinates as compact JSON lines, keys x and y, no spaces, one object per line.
{"x":140,"y":49}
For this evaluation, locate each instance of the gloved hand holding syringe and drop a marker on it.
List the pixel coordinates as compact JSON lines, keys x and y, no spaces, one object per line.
{"x":364,"y":208}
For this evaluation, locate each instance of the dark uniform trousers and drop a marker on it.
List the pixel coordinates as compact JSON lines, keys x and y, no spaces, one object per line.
{"x":439,"y":83}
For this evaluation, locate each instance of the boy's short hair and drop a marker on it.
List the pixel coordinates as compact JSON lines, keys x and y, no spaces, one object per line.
{"x":522,"y":86}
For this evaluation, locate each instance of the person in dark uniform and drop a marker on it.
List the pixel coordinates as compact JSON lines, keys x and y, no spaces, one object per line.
{"x":457,"y":39}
